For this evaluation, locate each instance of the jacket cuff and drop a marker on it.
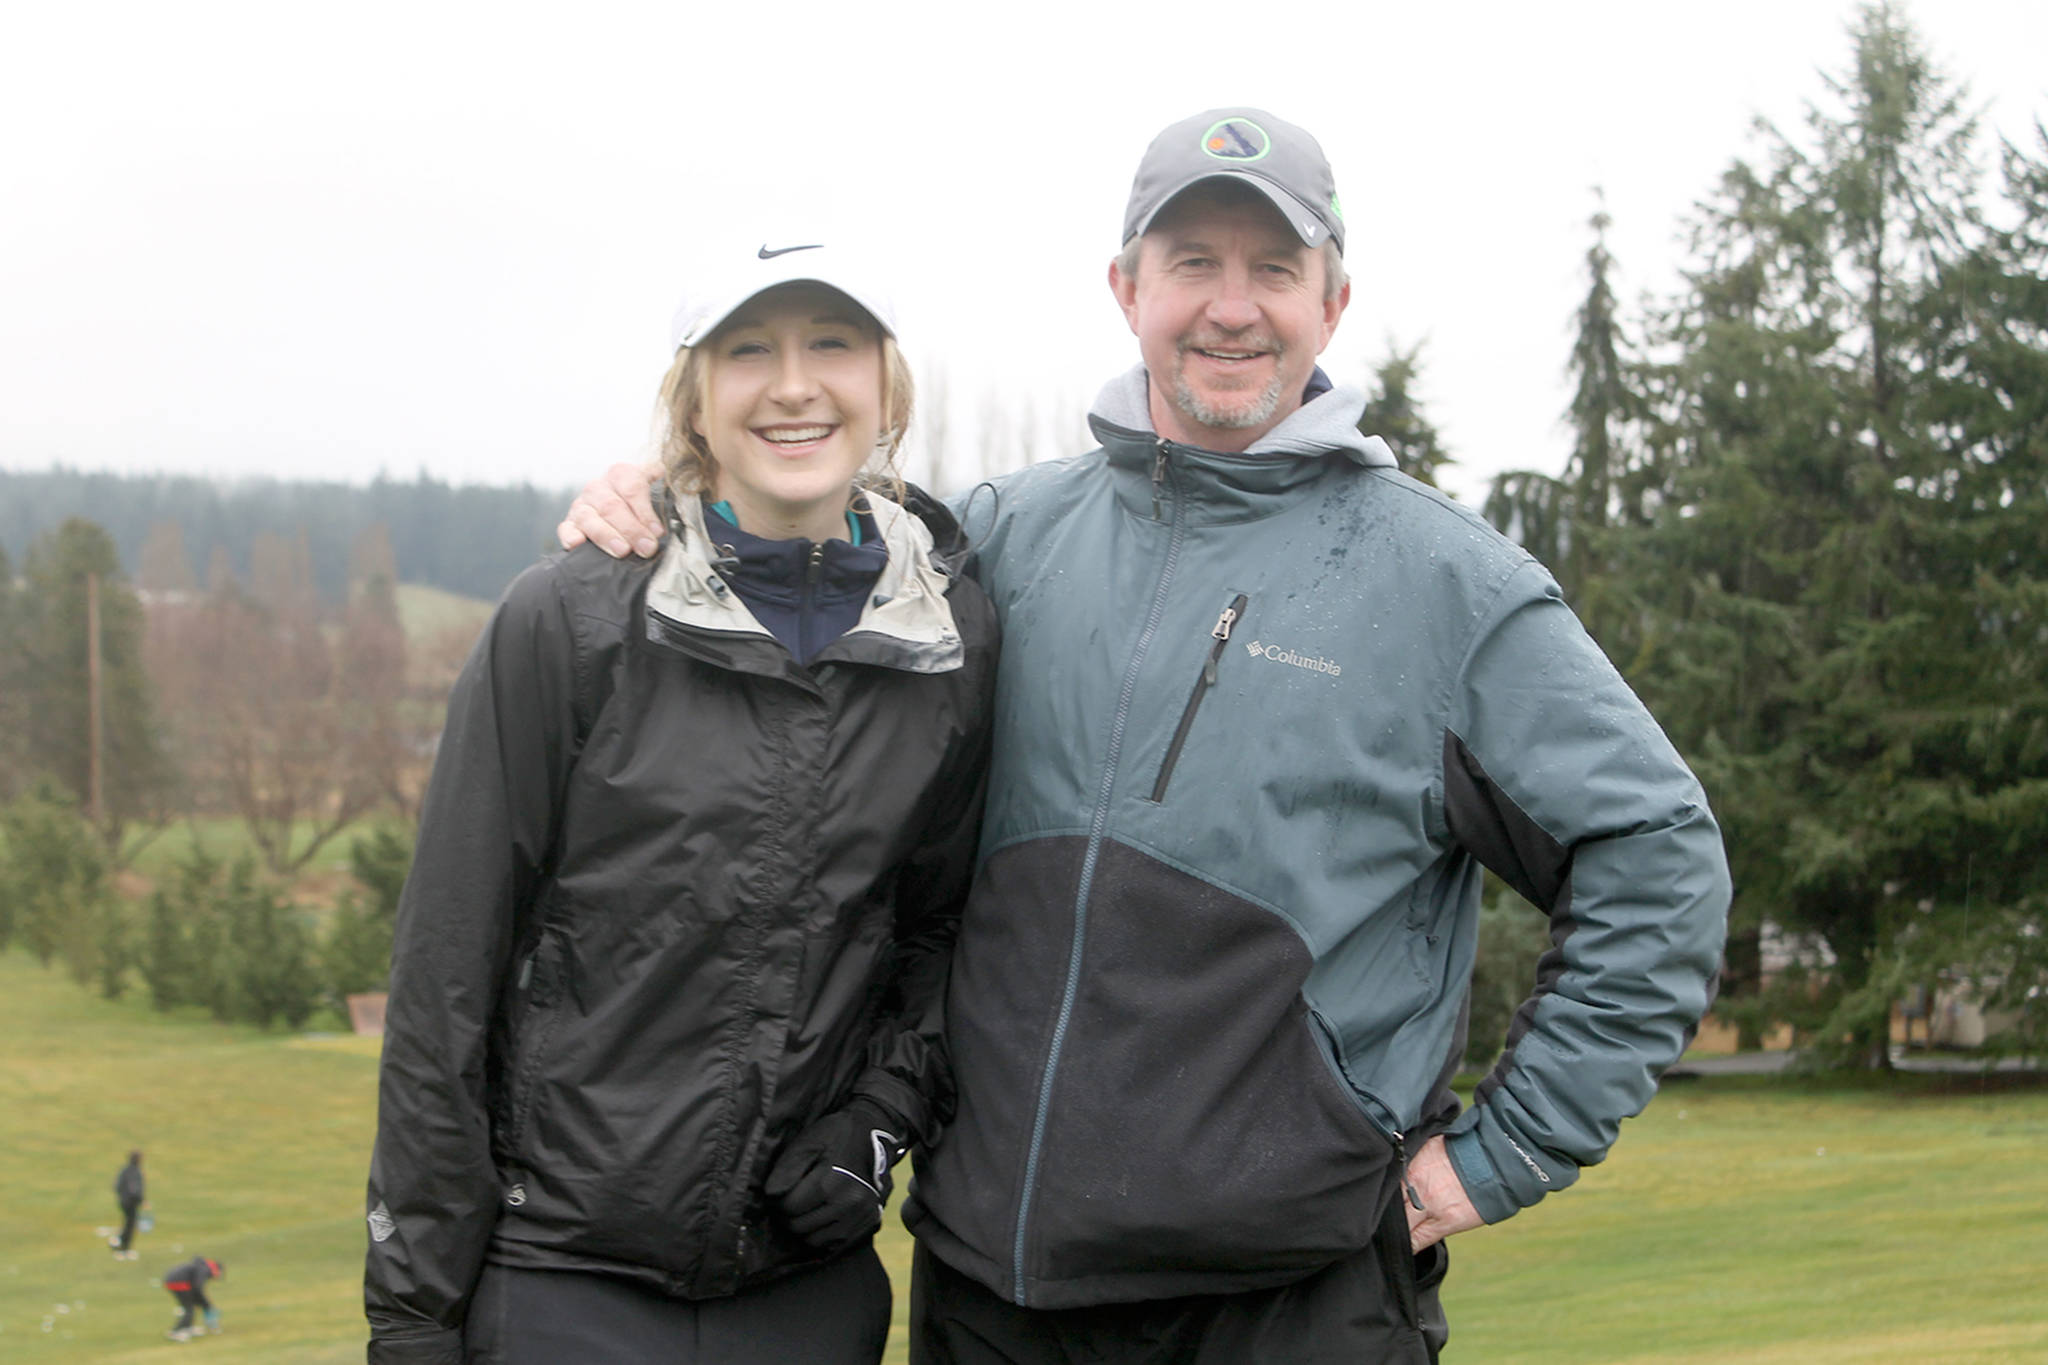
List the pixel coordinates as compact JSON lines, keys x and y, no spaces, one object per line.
{"x":899,"y":1100}
{"x":431,"y":1348}
{"x":1476,"y":1174}
{"x":1501,"y":1176}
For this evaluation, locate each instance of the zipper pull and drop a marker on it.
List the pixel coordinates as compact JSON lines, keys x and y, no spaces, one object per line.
{"x":817,"y":565}
{"x":1158,"y":477}
{"x":1220,"y":633}
{"x":1407,"y":1185}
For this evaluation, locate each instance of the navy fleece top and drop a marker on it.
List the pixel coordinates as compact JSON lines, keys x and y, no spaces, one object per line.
{"x":806,"y":594}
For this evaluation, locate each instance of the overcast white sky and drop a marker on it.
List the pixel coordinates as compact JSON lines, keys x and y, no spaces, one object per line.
{"x":328,"y":240}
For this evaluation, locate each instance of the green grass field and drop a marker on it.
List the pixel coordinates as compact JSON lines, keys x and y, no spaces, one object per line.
{"x":427,"y":612}
{"x":1759,"y":1219}
{"x":155,"y":854}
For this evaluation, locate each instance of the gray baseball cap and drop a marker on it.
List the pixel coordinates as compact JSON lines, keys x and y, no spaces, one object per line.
{"x":1280,"y":160}
{"x":727,"y":283}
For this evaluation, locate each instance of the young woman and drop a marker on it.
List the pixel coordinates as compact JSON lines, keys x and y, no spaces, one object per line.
{"x":665,"y":996}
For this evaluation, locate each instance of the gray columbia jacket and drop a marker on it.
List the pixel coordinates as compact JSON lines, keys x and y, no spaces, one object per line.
{"x":1260,"y":721}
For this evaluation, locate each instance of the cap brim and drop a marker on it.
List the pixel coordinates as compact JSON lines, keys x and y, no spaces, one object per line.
{"x":696,"y":320}
{"x":1306,"y":225}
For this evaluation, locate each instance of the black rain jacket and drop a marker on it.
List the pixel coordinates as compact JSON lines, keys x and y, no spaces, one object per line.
{"x":675,"y":897}
{"x":129,"y":1186}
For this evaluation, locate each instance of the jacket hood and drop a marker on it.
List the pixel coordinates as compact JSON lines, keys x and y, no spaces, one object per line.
{"x":1325,"y":425}
{"x":949,"y":543}
{"x":1161,"y":480}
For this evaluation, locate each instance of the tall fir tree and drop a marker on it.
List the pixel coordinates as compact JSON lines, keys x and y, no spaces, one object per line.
{"x":1394,"y":412}
{"x":14,"y":705}
{"x":1608,"y":481}
{"x":50,"y":620}
{"x":1827,"y":639}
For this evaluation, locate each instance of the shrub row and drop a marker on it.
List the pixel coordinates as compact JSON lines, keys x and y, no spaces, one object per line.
{"x":214,"y":934}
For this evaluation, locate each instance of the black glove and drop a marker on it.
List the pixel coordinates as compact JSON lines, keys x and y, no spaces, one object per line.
{"x":832,"y":1179}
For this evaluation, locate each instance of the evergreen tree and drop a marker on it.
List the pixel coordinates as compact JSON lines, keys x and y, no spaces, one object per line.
{"x":113,"y":944}
{"x":1393,"y":412}
{"x":164,"y":967}
{"x":208,"y":942}
{"x":50,"y":617}
{"x":14,"y":709}
{"x":53,"y":876}
{"x":175,"y":964}
{"x":380,"y":862}
{"x":1988,"y":397}
{"x":356,"y":957}
{"x":1564,"y":521}
{"x":268,"y":952}
{"x":1830,"y":642}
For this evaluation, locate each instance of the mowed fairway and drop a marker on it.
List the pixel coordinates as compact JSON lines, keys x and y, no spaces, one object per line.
{"x":255,"y":1146}
{"x":1766,"y":1220}
{"x":1755,"y":1220}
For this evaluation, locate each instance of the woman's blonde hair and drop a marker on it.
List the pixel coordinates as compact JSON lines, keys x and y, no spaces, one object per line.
{"x":686,"y":391}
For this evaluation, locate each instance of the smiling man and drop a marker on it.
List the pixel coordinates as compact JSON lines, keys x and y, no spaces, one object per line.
{"x":1266,"y":708}
{"x":1231,"y":308}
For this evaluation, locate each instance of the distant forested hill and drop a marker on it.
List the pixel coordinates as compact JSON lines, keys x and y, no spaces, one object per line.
{"x":470,"y":539}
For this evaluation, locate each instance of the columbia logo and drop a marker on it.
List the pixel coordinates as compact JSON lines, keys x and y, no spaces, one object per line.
{"x":1287,"y":656}
{"x":381,"y":1224}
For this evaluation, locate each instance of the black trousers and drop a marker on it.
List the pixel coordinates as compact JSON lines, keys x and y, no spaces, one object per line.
{"x":128,"y":1212}
{"x":190,"y":1301}
{"x":1379,"y":1307}
{"x":836,"y":1314}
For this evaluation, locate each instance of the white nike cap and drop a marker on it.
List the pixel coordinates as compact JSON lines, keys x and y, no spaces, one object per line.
{"x":739,"y":276}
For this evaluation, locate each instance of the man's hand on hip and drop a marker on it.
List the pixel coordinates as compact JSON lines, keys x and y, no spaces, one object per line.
{"x":615,"y":512}
{"x":1445,"y":1209}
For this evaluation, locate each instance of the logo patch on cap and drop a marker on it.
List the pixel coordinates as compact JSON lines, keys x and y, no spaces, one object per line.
{"x":1236,"y":139}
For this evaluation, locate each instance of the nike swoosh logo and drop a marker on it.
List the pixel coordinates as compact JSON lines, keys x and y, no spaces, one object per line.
{"x":767,"y":255}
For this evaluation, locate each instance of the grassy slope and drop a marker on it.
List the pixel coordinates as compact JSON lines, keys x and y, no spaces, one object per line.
{"x":427,"y":612}
{"x":226,"y":838}
{"x":255,"y":1155}
{"x":1720,"y":1230}
{"x":1762,"y":1220}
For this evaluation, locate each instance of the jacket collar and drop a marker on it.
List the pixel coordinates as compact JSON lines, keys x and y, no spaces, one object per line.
{"x":907,"y":623}
{"x":1214,"y":487}
{"x":776,"y":570}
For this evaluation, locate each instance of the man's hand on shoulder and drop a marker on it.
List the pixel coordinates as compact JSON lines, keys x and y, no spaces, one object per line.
{"x":1445,"y":1209}
{"x":615,"y":512}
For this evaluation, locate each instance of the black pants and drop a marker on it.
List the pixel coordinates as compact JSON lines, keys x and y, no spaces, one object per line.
{"x":128,"y":1212}
{"x":1379,"y":1307}
{"x":836,"y":1314}
{"x":189,"y":1302}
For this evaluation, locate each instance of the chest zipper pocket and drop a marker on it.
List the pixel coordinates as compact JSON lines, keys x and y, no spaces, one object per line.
{"x":1220,"y":633}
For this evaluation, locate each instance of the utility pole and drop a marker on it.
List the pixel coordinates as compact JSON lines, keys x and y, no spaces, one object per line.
{"x":95,"y":805}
